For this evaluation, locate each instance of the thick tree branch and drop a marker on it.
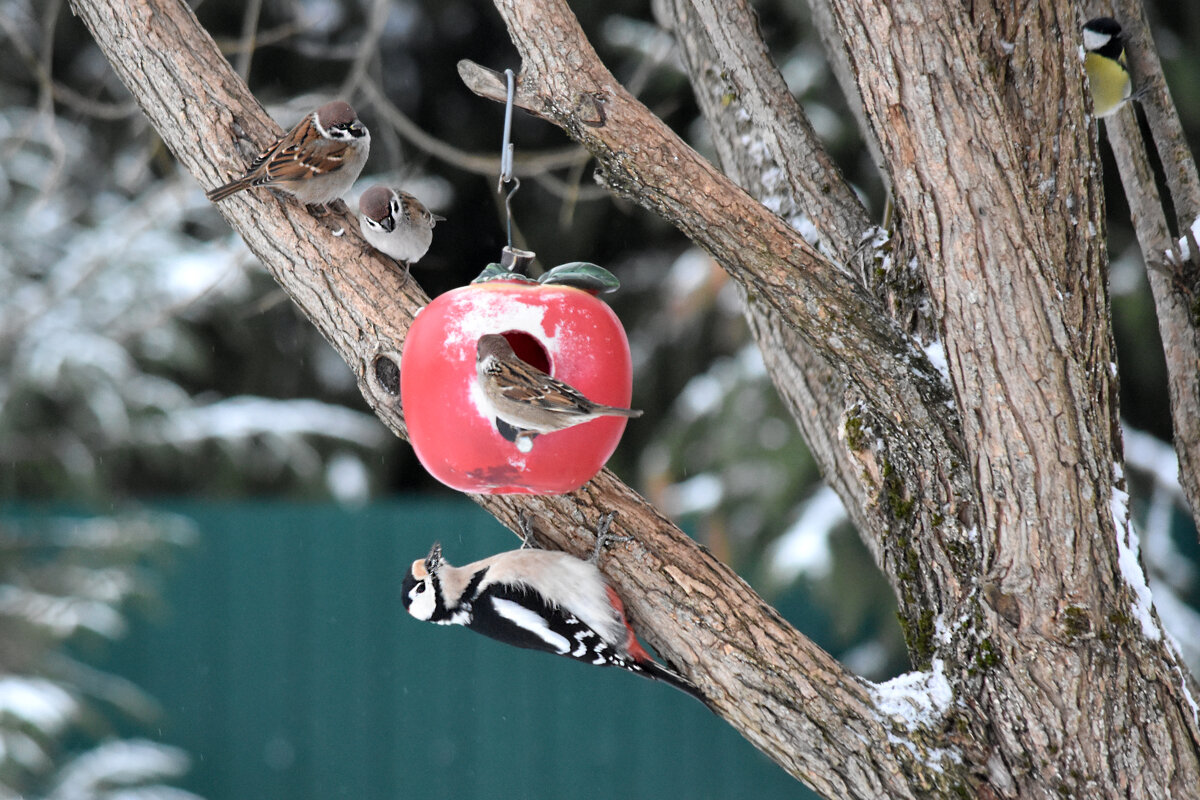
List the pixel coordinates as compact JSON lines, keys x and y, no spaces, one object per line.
{"x":781,"y":691}
{"x":744,"y":98}
{"x":563,"y":80}
{"x":1015,"y":313}
{"x":760,"y":250}
{"x":739,"y":86}
{"x":1174,"y":281}
{"x":839,"y":63}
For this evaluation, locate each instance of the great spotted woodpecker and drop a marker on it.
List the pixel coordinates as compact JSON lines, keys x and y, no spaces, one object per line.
{"x":539,"y":599}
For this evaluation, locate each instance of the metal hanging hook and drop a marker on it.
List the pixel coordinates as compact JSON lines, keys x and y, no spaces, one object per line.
{"x":506,"y":154}
{"x":506,"y":146}
{"x":508,"y":207}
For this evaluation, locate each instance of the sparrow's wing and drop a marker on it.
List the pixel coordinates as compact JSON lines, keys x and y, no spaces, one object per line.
{"x":303,"y":158}
{"x":416,"y":213}
{"x":521,"y":383}
{"x":264,"y":156}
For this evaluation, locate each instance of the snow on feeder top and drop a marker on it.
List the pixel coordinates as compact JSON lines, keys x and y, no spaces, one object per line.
{"x":555,"y":325}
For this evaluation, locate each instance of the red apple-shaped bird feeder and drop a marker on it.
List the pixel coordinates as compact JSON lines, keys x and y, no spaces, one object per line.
{"x":556,"y":324}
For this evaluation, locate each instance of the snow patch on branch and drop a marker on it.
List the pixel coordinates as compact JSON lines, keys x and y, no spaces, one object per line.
{"x":915,"y":699}
{"x":1165,"y":615}
{"x":1185,"y":250}
{"x":1129,"y":560}
{"x":935,"y":351}
{"x":804,"y":226}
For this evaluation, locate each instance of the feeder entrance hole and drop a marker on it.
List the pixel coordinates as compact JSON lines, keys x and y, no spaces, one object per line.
{"x":528,"y":349}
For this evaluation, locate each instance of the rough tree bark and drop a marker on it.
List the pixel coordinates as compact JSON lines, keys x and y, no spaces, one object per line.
{"x":1174,"y":280}
{"x":991,"y":497}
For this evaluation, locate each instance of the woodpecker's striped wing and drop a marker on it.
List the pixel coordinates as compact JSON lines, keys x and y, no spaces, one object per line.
{"x":523,"y":618}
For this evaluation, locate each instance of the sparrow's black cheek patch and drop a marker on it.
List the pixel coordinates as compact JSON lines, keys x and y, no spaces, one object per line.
{"x":387,"y":372}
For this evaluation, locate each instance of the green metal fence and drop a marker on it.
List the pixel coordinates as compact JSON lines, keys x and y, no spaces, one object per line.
{"x":288,"y":668}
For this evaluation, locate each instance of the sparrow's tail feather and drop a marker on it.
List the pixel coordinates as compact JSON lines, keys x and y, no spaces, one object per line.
{"x":613,"y":411}
{"x":231,"y":188}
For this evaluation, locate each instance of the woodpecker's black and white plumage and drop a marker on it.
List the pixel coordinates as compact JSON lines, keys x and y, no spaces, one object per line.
{"x":538,"y":599}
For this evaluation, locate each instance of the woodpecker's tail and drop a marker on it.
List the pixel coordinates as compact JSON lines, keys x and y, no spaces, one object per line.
{"x":638,"y":660}
{"x":652,"y":669}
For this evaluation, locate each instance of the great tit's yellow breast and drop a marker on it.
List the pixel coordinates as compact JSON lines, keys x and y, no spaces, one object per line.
{"x":1109,"y":81}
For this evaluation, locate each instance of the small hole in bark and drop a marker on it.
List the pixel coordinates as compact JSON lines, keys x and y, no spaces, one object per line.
{"x":388,"y":375}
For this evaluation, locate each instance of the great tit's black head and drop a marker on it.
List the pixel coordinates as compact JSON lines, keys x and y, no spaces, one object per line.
{"x":1102,"y":35}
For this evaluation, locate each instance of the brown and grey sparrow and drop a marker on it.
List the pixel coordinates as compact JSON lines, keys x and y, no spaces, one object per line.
{"x":315,"y":162}
{"x":524,"y":401}
{"x":396,"y":224}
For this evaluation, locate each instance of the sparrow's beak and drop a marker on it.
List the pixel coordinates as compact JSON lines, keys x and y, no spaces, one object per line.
{"x":388,"y":223}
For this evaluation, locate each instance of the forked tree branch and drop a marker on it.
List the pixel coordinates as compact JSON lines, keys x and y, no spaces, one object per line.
{"x":744,"y":98}
{"x":994,"y":219}
{"x":563,"y":80}
{"x":786,"y":695}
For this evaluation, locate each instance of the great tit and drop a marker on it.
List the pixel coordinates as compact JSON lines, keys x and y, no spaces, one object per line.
{"x":1105,"y":65}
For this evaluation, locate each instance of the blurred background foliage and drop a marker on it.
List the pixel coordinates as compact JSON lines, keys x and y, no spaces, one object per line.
{"x":144,"y":353}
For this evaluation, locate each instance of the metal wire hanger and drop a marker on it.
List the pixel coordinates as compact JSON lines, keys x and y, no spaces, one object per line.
{"x":510,"y":258}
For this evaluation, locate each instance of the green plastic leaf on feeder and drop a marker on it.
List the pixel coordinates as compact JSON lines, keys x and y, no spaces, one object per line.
{"x":582,"y":275}
{"x":495,"y":272}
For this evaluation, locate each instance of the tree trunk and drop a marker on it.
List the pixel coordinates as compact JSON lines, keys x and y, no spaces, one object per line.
{"x":992,"y":497}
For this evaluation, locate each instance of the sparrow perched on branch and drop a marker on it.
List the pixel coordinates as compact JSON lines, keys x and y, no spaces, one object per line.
{"x":315,"y":162}
{"x":524,"y":401}
{"x":396,"y":224}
